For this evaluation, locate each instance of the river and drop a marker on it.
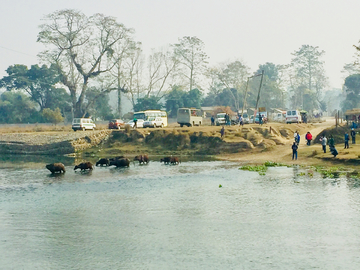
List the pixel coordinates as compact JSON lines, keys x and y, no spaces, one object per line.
{"x":160,"y":216}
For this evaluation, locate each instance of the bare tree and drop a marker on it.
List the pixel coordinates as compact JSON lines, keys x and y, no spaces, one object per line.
{"x":190,"y":52}
{"x":161,"y":65}
{"x":81,"y":47}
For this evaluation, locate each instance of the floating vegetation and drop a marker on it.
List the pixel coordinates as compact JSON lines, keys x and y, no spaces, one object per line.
{"x":254,"y":168}
{"x":301,"y":174}
{"x":330,"y":172}
{"x":220,"y":186}
{"x":273,"y":164}
{"x":261,"y":169}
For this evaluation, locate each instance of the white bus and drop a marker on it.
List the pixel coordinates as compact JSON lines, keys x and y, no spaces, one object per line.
{"x":189,"y":117}
{"x":150,"y":114}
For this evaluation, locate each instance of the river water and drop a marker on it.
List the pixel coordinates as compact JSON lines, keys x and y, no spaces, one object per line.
{"x":159,"y":216}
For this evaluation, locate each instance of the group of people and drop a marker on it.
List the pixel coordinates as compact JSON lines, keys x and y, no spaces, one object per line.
{"x":324,"y":142}
{"x":330,"y":142}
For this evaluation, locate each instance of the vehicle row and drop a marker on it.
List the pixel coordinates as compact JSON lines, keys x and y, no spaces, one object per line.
{"x":185,"y":117}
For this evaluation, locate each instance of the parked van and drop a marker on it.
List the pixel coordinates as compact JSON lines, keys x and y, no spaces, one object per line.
{"x":83,"y":124}
{"x":189,"y":117}
{"x":293,"y":116}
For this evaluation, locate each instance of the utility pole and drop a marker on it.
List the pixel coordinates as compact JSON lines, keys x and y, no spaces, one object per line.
{"x":247,"y":85}
{"x":258,"y":97}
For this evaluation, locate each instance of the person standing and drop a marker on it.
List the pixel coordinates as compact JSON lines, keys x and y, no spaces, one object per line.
{"x":346,"y":140}
{"x":353,"y":134}
{"x":331,"y":142}
{"x":323,"y":143}
{"x":260,"y":119}
{"x":227,"y":120}
{"x":135,"y":122}
{"x":212,"y":120}
{"x":241,"y":122}
{"x":294,"y":148}
{"x":308,"y":137}
{"x":222,"y":131}
{"x":298,"y":138}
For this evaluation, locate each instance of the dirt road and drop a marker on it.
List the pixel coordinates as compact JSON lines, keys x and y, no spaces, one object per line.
{"x":283,"y":153}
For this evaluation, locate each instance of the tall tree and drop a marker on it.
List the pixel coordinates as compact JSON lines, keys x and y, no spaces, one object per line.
{"x":82,"y":49}
{"x":39,"y":83}
{"x":308,"y":72}
{"x":161,"y":65}
{"x":97,"y":104}
{"x":191,"y":55}
{"x":233,"y":77}
{"x":352,"y":90}
{"x":272,"y":93}
{"x":174,"y":100}
{"x":16,"y":107}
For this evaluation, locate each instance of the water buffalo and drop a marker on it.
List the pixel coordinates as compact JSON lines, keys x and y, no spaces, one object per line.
{"x":56,"y":167}
{"x":142,"y":159}
{"x":115,"y":158}
{"x":174,"y":160}
{"x":123,"y":162}
{"x":103,"y":161}
{"x":166,"y":160}
{"x":171,"y":160}
{"x":84,"y":166}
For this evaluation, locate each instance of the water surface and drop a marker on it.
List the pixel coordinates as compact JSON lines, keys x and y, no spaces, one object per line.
{"x":176,"y":217}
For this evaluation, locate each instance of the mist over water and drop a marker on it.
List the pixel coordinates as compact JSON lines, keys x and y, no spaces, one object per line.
{"x":176,"y":217}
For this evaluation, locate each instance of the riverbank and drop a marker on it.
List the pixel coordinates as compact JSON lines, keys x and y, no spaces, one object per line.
{"x":251,"y":144}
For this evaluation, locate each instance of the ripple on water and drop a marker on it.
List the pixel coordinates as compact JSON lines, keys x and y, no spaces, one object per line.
{"x":167,"y":217}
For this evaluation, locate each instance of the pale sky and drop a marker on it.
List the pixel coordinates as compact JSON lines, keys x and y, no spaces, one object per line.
{"x":253,"y":31}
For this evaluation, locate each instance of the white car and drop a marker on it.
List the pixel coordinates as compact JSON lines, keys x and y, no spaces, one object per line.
{"x":154,"y":122}
{"x":83,"y":124}
{"x":139,"y":123}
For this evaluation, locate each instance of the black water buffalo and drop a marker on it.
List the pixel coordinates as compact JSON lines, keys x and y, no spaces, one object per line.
{"x":171,"y":160}
{"x":103,"y":161}
{"x":166,"y":160}
{"x":84,"y":166}
{"x":56,"y":167}
{"x":142,"y":159}
{"x":115,"y":158}
{"x":123,"y":162}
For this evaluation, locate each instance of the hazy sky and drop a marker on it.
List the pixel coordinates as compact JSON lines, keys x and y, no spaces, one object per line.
{"x":254,"y":31}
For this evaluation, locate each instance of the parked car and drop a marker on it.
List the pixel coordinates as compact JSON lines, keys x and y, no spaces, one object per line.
{"x":116,"y":124}
{"x":220,"y":119}
{"x":246,"y":119}
{"x":139,"y":123}
{"x":83,"y":124}
{"x":154,"y":122}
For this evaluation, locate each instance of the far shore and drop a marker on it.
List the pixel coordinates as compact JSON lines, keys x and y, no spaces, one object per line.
{"x":264,"y":144}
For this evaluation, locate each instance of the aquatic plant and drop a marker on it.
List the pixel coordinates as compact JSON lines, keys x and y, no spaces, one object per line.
{"x":273,"y":164}
{"x":254,"y":168}
{"x":220,"y":186}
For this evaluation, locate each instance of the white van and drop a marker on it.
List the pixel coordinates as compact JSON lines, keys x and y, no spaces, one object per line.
{"x":83,"y":124}
{"x":189,"y":117}
{"x":293,"y":116}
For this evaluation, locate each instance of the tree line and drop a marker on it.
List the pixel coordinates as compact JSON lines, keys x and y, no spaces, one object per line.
{"x":86,"y":58}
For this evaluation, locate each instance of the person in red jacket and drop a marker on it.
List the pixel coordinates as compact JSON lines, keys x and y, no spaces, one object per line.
{"x":308,"y":137}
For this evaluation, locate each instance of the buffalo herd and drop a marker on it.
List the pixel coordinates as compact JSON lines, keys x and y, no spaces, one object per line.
{"x":119,"y":162}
